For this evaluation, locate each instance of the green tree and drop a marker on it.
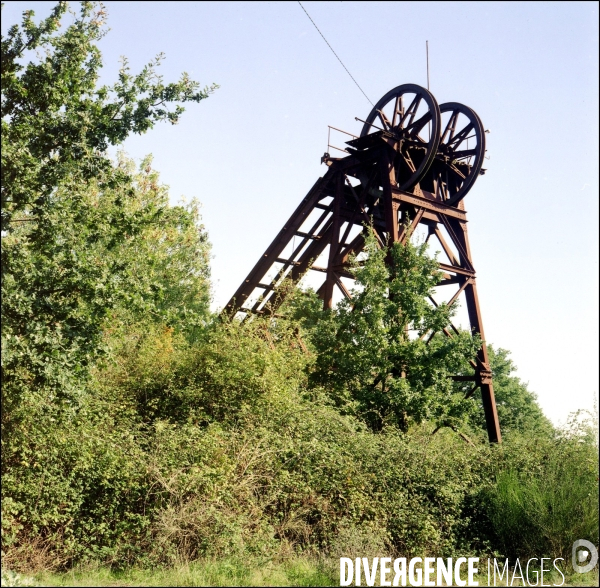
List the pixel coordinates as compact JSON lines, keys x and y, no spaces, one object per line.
{"x":63,"y":299}
{"x":67,"y":209}
{"x":57,"y":124}
{"x":166,"y":264}
{"x":157,"y":278}
{"x":375,"y":353}
{"x":518,"y":408}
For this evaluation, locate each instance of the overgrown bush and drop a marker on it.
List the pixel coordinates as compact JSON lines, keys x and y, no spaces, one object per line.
{"x":224,"y":444}
{"x":545,"y":495}
{"x":220,"y":447}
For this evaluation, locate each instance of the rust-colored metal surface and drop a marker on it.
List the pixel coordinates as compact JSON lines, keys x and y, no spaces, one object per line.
{"x":412,"y":165}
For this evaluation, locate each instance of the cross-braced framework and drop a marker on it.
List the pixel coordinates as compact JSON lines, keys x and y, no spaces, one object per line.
{"x":411,"y":167}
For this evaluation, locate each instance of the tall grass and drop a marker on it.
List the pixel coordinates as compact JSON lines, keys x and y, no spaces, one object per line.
{"x":297,"y":571}
{"x":300,"y":571}
{"x":547,"y":498}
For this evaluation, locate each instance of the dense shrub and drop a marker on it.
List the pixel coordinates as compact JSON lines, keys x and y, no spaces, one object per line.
{"x":221,"y":447}
{"x":545,"y":495}
{"x":74,"y":485}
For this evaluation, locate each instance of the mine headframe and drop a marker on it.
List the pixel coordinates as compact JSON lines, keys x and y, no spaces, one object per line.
{"x":412,"y":164}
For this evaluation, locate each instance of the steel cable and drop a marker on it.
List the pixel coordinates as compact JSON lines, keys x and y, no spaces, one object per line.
{"x":328,"y":45}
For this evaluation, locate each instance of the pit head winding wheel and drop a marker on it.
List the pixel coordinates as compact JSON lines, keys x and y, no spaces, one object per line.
{"x":413,"y":164}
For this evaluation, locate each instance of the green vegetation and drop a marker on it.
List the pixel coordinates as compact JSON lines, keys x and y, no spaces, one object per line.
{"x":67,"y":210}
{"x":141,"y":432}
{"x":295,"y":571}
{"x":300,"y":571}
{"x":546,"y":496}
{"x":366,"y":358}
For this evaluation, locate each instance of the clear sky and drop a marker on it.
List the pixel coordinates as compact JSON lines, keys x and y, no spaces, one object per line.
{"x":251,"y":151}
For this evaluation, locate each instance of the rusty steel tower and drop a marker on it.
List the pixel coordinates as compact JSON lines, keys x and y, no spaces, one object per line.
{"x":412,"y":165}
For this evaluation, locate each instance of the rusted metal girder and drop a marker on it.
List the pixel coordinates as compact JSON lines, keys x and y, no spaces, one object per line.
{"x":393,"y":178}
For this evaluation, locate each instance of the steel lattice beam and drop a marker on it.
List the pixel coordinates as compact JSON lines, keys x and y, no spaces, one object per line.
{"x":362,"y":192}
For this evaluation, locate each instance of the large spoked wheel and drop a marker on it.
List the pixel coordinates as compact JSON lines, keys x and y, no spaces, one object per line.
{"x":461,"y":152}
{"x":412,"y":115}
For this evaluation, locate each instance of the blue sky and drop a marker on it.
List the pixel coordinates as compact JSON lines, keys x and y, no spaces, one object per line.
{"x":251,"y":151}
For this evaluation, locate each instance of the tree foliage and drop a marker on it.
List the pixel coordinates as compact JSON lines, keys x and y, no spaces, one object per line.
{"x":74,"y":221}
{"x":379,"y":354}
{"x":518,"y":409}
{"x":73,"y":299}
{"x":57,"y":124}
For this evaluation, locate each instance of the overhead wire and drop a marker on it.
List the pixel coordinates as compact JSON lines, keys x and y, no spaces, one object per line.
{"x":336,"y":55}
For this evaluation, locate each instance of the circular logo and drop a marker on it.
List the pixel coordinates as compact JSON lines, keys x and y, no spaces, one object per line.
{"x":582,"y":555}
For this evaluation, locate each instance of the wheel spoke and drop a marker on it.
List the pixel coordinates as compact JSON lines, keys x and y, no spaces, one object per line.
{"x":406,"y":158}
{"x":464,"y":153}
{"x":398,"y":111}
{"x":451,"y":167}
{"x":461,"y":136}
{"x":416,"y":127}
{"x":410,"y":111}
{"x":414,"y":112}
{"x":384,"y":120}
{"x":450,"y":127}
